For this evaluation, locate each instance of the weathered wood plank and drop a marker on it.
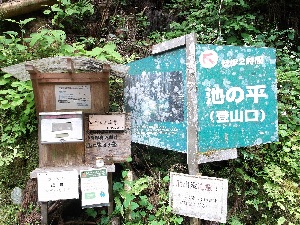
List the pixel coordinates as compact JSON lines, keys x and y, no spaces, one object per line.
{"x":107,"y":122}
{"x":219,"y":155}
{"x":168,"y":45}
{"x":44,"y":213}
{"x":108,"y":144}
{"x":192,"y":117}
{"x":33,"y":174}
{"x":60,"y":65}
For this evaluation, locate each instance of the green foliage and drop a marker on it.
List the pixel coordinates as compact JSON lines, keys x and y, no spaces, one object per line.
{"x":91,"y":212}
{"x":264,"y":180}
{"x":17,"y":118}
{"x":46,"y":43}
{"x":18,"y":127}
{"x":231,"y":22}
{"x":12,"y":50}
{"x":66,"y":13}
{"x":21,"y":24}
{"x":107,"y":52}
{"x":18,"y":147}
{"x":142,"y":201}
{"x":16,"y":96}
{"x":8,"y":214}
{"x":116,"y":97}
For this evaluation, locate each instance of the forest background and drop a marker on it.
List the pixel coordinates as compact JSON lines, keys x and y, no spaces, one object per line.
{"x":264,"y":181}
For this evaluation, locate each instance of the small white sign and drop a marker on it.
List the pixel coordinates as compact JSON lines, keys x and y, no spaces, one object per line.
{"x":199,"y":196}
{"x":54,"y":186}
{"x":94,"y":187}
{"x":107,"y":122}
{"x":73,"y":97}
{"x":60,"y":127}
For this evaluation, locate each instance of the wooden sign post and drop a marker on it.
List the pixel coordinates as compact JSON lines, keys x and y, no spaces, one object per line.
{"x":202,"y":99}
{"x":189,"y":41}
{"x":192,"y":111}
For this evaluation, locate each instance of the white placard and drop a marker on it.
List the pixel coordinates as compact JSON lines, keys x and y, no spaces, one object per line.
{"x":54,"y":186}
{"x":61,"y":127}
{"x":94,"y":187}
{"x":73,"y":97}
{"x":107,"y":122}
{"x":199,"y":196}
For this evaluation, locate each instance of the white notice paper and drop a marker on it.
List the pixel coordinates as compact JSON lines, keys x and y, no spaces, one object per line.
{"x":73,"y":97}
{"x":94,"y":187}
{"x":199,"y":196}
{"x":61,"y":185}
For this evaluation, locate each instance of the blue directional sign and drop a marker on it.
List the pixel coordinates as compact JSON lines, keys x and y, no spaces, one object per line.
{"x":236,"y":98}
{"x":237,"y":104}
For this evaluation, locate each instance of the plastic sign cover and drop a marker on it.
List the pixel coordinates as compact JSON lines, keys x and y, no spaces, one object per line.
{"x":237,"y":96}
{"x":94,"y":187}
{"x":155,"y":97}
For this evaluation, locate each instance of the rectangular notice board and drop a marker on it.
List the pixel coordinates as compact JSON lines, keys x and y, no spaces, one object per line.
{"x":155,"y":97}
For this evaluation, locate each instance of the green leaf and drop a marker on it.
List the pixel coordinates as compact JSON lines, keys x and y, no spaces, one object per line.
{"x":246,"y":36}
{"x":291,"y":35}
{"x":23,"y":22}
{"x":128,"y":200}
{"x":231,"y":40}
{"x":101,"y":57}
{"x":4,"y":81}
{"x":281,"y":206}
{"x":96,"y":52}
{"x":117,"y":186}
{"x":143,"y":200}
{"x":281,"y":221}
{"x":178,"y":220}
{"x":47,"y":12}
{"x":134,"y":206}
{"x":166,"y":179}
{"x":150,"y":207}
{"x":67,"y":49}
{"x":124,"y":173}
{"x":91,"y":212}
{"x":129,"y":159}
{"x":151,"y":217}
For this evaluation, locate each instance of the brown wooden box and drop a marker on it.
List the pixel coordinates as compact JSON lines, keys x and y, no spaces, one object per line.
{"x":67,"y":154}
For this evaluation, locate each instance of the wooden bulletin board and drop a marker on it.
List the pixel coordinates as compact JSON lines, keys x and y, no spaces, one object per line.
{"x":56,"y":92}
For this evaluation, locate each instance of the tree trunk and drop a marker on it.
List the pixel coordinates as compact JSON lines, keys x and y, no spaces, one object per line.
{"x":19,"y":7}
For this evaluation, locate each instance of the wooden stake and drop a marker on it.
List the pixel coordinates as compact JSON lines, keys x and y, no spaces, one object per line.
{"x":44,"y":213}
{"x":192,"y":111}
{"x":110,"y":190}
